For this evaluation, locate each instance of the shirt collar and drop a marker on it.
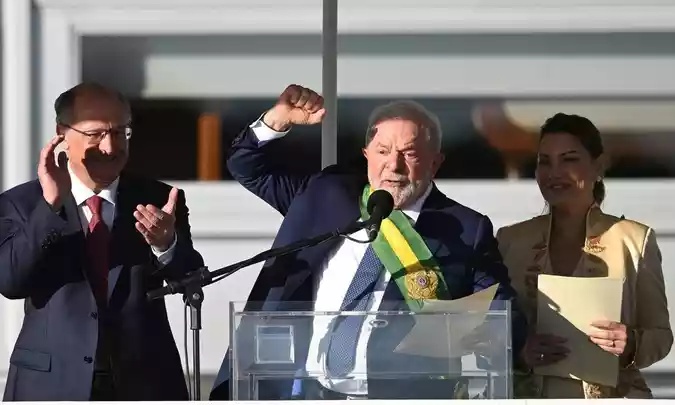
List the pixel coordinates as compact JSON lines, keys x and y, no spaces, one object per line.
{"x":414,"y":209}
{"x":81,"y":192}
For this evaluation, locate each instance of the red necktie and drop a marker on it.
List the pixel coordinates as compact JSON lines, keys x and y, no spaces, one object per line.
{"x":97,"y":242}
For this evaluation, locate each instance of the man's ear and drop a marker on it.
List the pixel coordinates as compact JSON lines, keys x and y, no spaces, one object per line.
{"x":63,"y":146}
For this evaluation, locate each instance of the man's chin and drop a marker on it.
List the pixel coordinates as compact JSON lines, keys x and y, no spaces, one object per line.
{"x":401,"y":194}
{"x":402,"y":197}
{"x":103,"y":174}
{"x":405,"y":195}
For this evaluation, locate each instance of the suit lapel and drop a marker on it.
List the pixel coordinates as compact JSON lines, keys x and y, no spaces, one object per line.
{"x":72,"y":216}
{"x":74,"y":230}
{"x":427,"y":223}
{"x":122,"y":229}
{"x":338,"y":209}
{"x":597,"y":260}
{"x":594,"y":260}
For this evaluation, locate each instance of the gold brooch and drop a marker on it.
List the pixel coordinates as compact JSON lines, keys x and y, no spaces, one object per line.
{"x":421,"y":284}
{"x":593,"y":245}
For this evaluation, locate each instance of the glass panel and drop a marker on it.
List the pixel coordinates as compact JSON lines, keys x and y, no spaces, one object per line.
{"x":442,"y":354}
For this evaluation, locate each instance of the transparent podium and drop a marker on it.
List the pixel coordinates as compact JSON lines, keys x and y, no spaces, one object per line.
{"x":442,"y":353}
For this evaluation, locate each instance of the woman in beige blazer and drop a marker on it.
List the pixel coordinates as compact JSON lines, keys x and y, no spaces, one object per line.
{"x":577,"y":239}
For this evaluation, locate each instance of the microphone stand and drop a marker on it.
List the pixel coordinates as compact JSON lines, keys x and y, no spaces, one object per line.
{"x":193,"y":295}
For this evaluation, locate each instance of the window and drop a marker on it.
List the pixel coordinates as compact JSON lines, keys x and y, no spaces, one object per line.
{"x":482,"y":139}
{"x":485,"y":138}
{"x":174,"y":80}
{"x":164,"y":144}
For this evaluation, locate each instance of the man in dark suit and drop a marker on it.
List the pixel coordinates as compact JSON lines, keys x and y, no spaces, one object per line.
{"x":403,"y":145}
{"x":82,"y":245}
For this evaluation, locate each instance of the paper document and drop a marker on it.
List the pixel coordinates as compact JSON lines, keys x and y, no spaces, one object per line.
{"x":566,"y":307}
{"x":446,"y":329}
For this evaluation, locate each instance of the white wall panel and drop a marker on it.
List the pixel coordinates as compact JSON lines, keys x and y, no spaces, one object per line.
{"x":449,"y":65}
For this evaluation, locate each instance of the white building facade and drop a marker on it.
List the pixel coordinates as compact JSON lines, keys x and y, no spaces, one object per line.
{"x":194,"y":49}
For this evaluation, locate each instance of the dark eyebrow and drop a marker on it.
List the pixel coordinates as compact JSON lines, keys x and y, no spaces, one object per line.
{"x":569,"y":152}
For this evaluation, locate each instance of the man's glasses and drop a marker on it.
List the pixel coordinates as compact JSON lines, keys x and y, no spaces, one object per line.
{"x":97,"y":135}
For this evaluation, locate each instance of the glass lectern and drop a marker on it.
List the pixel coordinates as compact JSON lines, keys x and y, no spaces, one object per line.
{"x":444,"y":352}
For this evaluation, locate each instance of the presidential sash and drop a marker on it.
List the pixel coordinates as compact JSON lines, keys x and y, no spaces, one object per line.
{"x":407,"y":258}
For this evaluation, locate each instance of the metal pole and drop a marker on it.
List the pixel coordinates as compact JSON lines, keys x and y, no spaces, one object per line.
{"x":329,"y":82}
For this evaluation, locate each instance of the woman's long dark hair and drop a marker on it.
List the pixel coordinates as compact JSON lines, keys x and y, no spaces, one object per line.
{"x":588,"y":135}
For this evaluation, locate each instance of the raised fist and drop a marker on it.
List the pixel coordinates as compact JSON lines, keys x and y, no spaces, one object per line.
{"x":297,"y":105}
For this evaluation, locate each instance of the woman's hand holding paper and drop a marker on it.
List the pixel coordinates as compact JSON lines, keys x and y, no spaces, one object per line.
{"x":612,"y":337}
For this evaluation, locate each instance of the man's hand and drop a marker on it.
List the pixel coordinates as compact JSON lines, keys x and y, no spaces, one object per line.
{"x":297,"y":105}
{"x":54,"y":179}
{"x":158,"y":225}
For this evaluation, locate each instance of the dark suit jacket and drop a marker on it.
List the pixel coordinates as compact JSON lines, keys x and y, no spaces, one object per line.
{"x":42,"y":262}
{"x":461,"y":240}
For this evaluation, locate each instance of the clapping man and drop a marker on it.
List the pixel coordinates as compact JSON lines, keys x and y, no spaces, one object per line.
{"x":82,"y":245}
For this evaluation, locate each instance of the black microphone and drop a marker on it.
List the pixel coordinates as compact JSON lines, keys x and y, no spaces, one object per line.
{"x":380,"y":205}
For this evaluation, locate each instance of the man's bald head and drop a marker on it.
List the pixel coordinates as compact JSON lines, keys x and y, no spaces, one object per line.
{"x":79,"y":102}
{"x":95,"y":122}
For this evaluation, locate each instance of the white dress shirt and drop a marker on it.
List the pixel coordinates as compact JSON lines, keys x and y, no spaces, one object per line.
{"x":334,"y":280}
{"x":109,"y":195}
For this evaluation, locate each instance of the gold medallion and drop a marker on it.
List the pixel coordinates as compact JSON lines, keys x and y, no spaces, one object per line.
{"x":422,"y":284}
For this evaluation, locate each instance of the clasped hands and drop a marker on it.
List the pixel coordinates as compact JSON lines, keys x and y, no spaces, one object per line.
{"x":158,"y":225}
{"x":544,"y":349}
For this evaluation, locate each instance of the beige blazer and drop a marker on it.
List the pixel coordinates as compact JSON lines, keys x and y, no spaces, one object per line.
{"x":615,"y":247}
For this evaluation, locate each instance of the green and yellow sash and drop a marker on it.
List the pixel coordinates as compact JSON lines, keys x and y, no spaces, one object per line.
{"x":407,"y":258}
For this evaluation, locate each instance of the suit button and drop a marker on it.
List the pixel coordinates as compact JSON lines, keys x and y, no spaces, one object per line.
{"x":88,"y":359}
{"x":94,"y":315}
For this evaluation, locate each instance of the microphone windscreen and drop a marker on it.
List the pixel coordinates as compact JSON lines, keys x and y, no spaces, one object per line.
{"x":384,"y":202}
